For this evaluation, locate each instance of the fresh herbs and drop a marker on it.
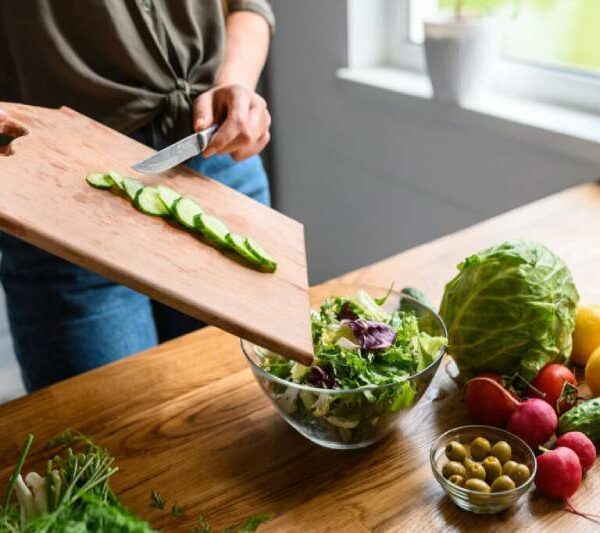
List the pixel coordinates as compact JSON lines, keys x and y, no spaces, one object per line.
{"x":247,"y":526}
{"x":72,"y":495}
{"x":250,"y":525}
{"x":13,"y":478}
{"x":176,"y":510}
{"x":203,"y":526}
{"x":156,"y":500}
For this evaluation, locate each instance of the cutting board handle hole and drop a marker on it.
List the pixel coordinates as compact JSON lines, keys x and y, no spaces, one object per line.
{"x":9,"y":131}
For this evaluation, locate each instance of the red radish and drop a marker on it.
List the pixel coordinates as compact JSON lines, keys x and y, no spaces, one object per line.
{"x":533,"y":420}
{"x":558,"y":473}
{"x":550,"y":382}
{"x":488,"y":403}
{"x":581,"y":445}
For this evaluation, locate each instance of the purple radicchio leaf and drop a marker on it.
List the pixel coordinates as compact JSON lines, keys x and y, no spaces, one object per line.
{"x":371,"y":335}
{"x":320,"y":377}
{"x":346,"y":312}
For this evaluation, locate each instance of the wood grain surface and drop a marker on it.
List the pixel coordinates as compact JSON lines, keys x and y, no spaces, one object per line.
{"x":188,"y":419}
{"x":45,"y":200}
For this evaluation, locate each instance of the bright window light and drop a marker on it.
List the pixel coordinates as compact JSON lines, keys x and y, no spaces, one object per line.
{"x":563,"y":34}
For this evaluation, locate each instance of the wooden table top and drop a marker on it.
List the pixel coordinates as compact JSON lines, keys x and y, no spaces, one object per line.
{"x":187,"y":418}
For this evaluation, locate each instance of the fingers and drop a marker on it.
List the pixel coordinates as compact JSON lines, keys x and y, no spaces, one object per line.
{"x":257,"y":136}
{"x":257,"y":148}
{"x":245,"y":128}
{"x":253,"y":129}
{"x":237,"y":108}
{"x":203,"y":111}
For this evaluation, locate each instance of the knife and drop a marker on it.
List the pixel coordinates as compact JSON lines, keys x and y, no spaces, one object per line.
{"x":176,"y":153}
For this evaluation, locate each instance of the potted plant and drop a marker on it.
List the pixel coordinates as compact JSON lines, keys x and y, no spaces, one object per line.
{"x":460,"y":49}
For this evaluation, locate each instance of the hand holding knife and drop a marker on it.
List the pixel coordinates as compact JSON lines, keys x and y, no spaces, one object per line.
{"x":243,"y":130}
{"x":176,"y":153}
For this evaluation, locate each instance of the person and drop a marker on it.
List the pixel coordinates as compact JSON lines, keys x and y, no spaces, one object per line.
{"x":152,"y":69}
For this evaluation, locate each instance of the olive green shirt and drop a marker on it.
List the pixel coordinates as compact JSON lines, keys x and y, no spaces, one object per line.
{"x":125,"y":63}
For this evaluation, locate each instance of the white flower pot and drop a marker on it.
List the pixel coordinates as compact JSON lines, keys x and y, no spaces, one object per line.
{"x":460,"y":56}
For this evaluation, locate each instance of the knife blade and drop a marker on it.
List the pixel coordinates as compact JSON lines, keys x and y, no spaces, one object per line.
{"x":176,"y":153}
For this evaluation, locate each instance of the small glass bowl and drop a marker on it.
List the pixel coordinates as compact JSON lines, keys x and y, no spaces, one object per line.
{"x":477,"y":502}
{"x":373,"y":418}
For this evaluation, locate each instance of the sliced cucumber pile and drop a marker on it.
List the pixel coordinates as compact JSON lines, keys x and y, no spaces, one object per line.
{"x":168,"y":196}
{"x":238,"y":243}
{"x":213,"y":228}
{"x":185,"y":211}
{"x":162,"y":201}
{"x":116,"y":178}
{"x":267,"y":262}
{"x":132,"y":187}
{"x":99,"y":181}
{"x":148,"y":201}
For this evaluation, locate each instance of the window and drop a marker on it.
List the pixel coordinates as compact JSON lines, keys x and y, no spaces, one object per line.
{"x":555,"y":33}
{"x":550,"y":49}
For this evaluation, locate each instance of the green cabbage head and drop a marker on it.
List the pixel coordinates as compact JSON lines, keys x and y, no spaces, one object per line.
{"x":511,"y":308}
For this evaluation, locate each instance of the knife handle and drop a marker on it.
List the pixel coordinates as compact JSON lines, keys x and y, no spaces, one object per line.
{"x":206,"y":135}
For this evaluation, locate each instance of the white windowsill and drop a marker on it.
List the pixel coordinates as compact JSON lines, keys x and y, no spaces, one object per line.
{"x":570,"y":131}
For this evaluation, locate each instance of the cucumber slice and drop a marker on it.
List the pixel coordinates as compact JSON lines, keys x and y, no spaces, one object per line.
{"x":238,"y":243}
{"x":185,"y":211}
{"x":99,"y":181}
{"x":148,"y":201}
{"x":168,"y":196}
{"x":268,"y":263}
{"x":132,"y":187}
{"x":213,"y":228}
{"x":116,"y":178}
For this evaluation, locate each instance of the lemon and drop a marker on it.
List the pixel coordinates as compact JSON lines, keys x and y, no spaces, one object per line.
{"x":586,"y":337}
{"x":592,"y":372}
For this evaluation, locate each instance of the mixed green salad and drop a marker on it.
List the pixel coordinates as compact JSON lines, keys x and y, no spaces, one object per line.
{"x":358,"y":345}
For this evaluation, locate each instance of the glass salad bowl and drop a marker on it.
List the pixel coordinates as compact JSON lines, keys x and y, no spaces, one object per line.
{"x":349,"y":418}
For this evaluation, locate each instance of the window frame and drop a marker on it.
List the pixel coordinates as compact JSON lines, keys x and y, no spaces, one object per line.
{"x":534,"y":81}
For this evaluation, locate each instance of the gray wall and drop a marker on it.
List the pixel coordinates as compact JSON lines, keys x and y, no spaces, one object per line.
{"x":370,"y":178}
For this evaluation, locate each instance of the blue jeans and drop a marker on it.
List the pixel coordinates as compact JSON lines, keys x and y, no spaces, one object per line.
{"x":65,"y":320}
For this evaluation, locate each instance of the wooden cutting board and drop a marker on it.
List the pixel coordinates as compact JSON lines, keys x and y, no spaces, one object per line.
{"x":45,"y":200}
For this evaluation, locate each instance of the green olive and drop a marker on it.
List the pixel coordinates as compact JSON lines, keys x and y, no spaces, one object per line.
{"x":453,"y":468}
{"x":502,"y":483}
{"x":468,"y":461}
{"x":480,"y":448}
{"x":502,"y":451}
{"x":475,"y":471}
{"x":520,"y":474}
{"x":457,"y":480}
{"x":493,"y":468}
{"x":455,"y":451}
{"x":478,"y":485}
{"x":509,"y":468}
